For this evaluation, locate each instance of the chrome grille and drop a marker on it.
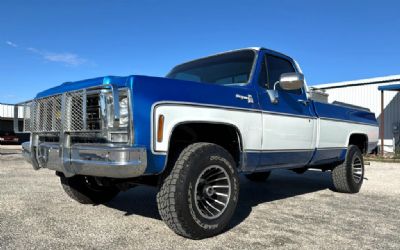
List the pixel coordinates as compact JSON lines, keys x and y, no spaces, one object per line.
{"x":64,"y":112}
{"x":46,"y":114}
{"x":75,"y":111}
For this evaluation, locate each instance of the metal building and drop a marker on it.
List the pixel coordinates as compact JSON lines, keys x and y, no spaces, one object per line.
{"x":365,"y":93}
{"x":7,"y":120}
{"x":6,"y":117}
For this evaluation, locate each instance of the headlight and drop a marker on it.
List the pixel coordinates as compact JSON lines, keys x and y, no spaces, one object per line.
{"x":122,"y":132}
{"x":124,"y":112}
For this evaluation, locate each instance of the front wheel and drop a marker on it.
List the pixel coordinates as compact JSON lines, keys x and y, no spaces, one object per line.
{"x":199,"y":196}
{"x":348,"y":176}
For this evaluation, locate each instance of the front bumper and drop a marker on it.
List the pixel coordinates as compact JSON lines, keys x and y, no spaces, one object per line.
{"x":102,"y":160}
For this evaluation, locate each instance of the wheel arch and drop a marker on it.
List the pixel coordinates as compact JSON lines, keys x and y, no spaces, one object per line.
{"x":192,"y":127}
{"x":360,"y":140}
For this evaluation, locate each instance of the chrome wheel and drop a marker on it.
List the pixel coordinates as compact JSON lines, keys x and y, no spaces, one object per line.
{"x":212,"y":192}
{"x":357,"y":168}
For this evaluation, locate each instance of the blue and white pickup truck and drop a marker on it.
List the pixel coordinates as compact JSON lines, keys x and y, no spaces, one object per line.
{"x":191,"y":133}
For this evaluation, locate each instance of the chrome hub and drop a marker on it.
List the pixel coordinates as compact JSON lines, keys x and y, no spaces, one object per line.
{"x":212,"y":192}
{"x":357,"y":169}
{"x":209,"y":191}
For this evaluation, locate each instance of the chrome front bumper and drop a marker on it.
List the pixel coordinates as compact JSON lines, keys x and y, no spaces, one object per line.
{"x":103,"y":160}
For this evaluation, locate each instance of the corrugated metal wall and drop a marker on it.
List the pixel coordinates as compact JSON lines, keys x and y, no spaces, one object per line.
{"x":370,"y":97}
{"x":7,"y":111}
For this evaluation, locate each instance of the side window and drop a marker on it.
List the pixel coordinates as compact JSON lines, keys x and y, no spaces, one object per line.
{"x":276,"y":67}
{"x":263,"y":78}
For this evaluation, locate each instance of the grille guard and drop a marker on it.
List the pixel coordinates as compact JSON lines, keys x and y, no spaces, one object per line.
{"x":106,"y":160}
{"x":67,"y":112}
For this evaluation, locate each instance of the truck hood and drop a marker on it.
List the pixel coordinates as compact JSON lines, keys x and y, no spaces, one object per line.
{"x":121,"y":81}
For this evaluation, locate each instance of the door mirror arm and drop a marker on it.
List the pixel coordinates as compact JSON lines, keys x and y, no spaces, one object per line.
{"x":273,"y":95}
{"x":276,"y":83}
{"x":287,"y":81}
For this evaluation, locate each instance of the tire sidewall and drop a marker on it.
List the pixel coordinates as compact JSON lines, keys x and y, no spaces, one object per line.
{"x":199,"y":162}
{"x":353,"y":153}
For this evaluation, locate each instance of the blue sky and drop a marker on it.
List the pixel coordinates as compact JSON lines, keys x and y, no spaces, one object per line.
{"x":45,"y":43}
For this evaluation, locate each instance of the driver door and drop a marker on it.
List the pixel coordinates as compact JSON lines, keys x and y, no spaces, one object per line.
{"x":289,"y":125}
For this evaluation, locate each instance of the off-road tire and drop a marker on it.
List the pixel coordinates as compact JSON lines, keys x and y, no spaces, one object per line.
{"x":258,"y":176}
{"x":84,"y":190}
{"x":342,"y":175}
{"x":175,"y":199}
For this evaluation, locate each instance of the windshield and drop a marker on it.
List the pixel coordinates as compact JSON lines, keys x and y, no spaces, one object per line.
{"x":228,"y":68}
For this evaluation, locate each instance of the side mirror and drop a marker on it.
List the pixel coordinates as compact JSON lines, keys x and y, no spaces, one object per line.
{"x":291,"y":81}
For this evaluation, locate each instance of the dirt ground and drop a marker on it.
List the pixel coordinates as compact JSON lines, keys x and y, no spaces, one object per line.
{"x":289,"y":211}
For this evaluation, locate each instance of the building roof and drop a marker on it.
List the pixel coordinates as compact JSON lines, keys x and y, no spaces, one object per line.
{"x":392,"y":87}
{"x":375,"y":80}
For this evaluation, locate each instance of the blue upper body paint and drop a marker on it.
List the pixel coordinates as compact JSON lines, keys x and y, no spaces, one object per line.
{"x":146,"y":91}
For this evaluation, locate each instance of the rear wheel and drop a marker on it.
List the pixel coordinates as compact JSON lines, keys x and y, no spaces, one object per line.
{"x":348,"y":176}
{"x":199,"y":196}
{"x":85,"y":189}
{"x":259,"y":176}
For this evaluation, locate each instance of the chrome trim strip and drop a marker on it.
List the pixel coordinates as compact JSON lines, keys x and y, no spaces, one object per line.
{"x":277,"y":150}
{"x":347,"y":121}
{"x":289,"y":150}
{"x":194,"y":104}
{"x":289,"y":114}
{"x":115,"y":95}
{"x":333,"y":148}
{"x":130,"y":114}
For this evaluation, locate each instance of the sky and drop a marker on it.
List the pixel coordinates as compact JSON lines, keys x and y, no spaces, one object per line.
{"x":44,"y":43}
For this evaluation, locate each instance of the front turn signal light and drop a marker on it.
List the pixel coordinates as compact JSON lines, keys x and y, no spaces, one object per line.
{"x":160,"y":128}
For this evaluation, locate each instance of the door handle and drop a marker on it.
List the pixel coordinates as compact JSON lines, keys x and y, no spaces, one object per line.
{"x":304,"y":102}
{"x":249,"y":98}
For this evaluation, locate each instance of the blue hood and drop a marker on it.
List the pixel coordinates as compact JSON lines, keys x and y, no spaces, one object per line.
{"x":121,"y":81}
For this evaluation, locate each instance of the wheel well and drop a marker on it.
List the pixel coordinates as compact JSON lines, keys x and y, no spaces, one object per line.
{"x":224,"y":135}
{"x":360,"y":140}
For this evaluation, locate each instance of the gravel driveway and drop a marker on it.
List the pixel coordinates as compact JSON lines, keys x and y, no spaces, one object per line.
{"x":289,"y":211}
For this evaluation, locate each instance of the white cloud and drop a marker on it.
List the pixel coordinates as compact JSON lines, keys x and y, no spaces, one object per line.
{"x":33,"y":50}
{"x":11,"y":44}
{"x":66,"y":58}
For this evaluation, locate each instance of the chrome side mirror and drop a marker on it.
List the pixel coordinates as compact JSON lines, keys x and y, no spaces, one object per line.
{"x":291,"y":81}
